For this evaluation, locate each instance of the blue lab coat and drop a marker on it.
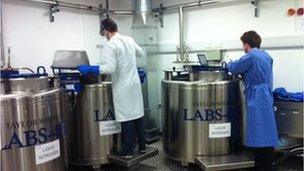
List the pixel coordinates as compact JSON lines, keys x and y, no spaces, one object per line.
{"x":256,"y":67}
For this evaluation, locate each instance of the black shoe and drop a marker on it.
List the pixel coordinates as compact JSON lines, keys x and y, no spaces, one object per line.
{"x":123,"y":155}
{"x":143,"y":149}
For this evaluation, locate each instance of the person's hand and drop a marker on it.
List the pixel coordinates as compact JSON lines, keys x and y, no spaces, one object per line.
{"x":84,"y":69}
{"x":88,"y":69}
{"x":142,"y":74}
{"x":95,"y":70}
{"x":226,"y":59}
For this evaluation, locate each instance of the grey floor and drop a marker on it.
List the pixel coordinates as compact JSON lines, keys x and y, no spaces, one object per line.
{"x":163,"y":163}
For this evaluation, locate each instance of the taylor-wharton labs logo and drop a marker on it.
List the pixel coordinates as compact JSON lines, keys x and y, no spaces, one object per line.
{"x":32,"y":132}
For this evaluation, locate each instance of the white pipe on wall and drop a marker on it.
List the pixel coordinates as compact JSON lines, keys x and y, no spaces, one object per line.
{"x":191,"y":4}
{"x":181,"y":32}
{"x":2,"y":59}
{"x":82,"y":7}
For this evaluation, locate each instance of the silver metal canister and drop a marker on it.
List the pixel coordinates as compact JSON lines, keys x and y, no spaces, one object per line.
{"x":31,"y":126}
{"x":201,"y":117}
{"x":89,"y":143}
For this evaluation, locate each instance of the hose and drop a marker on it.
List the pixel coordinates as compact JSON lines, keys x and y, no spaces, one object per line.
{"x":291,"y":159}
{"x":25,"y":69}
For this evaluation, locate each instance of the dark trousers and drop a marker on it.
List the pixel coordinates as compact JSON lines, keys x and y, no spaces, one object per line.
{"x":131,"y":130}
{"x":264,"y":158}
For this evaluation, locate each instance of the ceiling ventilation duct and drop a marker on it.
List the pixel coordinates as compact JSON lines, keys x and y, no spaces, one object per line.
{"x":144,"y":29}
{"x":143,"y":15}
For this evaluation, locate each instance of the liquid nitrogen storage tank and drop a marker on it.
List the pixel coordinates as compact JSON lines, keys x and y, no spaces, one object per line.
{"x":32,"y":128}
{"x":202,"y":112}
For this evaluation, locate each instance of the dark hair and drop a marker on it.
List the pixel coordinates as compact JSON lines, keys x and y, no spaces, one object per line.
{"x":252,"y":38}
{"x":109,"y":25}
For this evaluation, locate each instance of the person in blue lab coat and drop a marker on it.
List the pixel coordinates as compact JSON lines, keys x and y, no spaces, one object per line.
{"x":261,"y":129}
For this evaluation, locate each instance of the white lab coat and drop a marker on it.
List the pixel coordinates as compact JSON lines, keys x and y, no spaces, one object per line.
{"x":119,"y":59}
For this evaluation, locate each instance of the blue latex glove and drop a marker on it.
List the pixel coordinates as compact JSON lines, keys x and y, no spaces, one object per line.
{"x":84,"y":69}
{"x":88,"y":69}
{"x":142,"y":74}
{"x":95,"y":69}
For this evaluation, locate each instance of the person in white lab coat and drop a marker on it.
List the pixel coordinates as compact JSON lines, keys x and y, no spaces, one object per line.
{"x":119,"y":60}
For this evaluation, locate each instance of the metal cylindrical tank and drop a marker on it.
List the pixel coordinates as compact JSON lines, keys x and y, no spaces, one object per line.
{"x":88,"y":145}
{"x":31,"y":125}
{"x":201,"y":116}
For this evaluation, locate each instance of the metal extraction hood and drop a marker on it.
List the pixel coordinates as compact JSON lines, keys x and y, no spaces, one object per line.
{"x":143,"y":15}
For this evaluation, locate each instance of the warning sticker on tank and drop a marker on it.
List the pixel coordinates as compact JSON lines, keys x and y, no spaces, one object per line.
{"x":70,"y":86}
{"x":109,"y":127}
{"x":47,"y":152}
{"x":219,"y":130}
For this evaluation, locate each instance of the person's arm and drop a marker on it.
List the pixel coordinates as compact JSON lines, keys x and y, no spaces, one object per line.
{"x":108,"y":64}
{"x":138,"y":50}
{"x":240,"y":66}
{"x":271,"y":76}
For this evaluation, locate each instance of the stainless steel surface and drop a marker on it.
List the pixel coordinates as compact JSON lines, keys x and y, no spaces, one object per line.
{"x":181,"y":33}
{"x":94,"y":9}
{"x":69,"y":58}
{"x":210,"y":76}
{"x":190,"y":4}
{"x":4,"y":86}
{"x":68,"y":5}
{"x":29,"y":119}
{"x":51,"y":2}
{"x":87,"y":146}
{"x":142,"y":6}
{"x":183,"y":53}
{"x":200,"y":49}
{"x":226,"y":162}
{"x":175,"y":74}
{"x":289,"y":116}
{"x":190,"y":107}
{"x":122,"y":12}
{"x":32,"y":85}
{"x":2,"y":58}
{"x":151,"y":152}
{"x":143,"y":16}
{"x":8,"y":64}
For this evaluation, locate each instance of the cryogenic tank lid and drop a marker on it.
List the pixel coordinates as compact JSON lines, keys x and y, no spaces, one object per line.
{"x":175,"y":70}
{"x":69,"y":59}
{"x":208,"y":68}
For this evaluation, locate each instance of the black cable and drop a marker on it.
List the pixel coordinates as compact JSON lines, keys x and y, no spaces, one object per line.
{"x":291,"y":159}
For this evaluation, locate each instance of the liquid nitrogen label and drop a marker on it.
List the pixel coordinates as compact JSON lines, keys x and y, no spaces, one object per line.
{"x":219,"y":130}
{"x":109,"y":127}
{"x":47,"y":152}
{"x":70,"y":87}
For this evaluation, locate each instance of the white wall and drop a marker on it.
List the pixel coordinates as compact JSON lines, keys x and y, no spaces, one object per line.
{"x":216,"y":25}
{"x":33,"y":39}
